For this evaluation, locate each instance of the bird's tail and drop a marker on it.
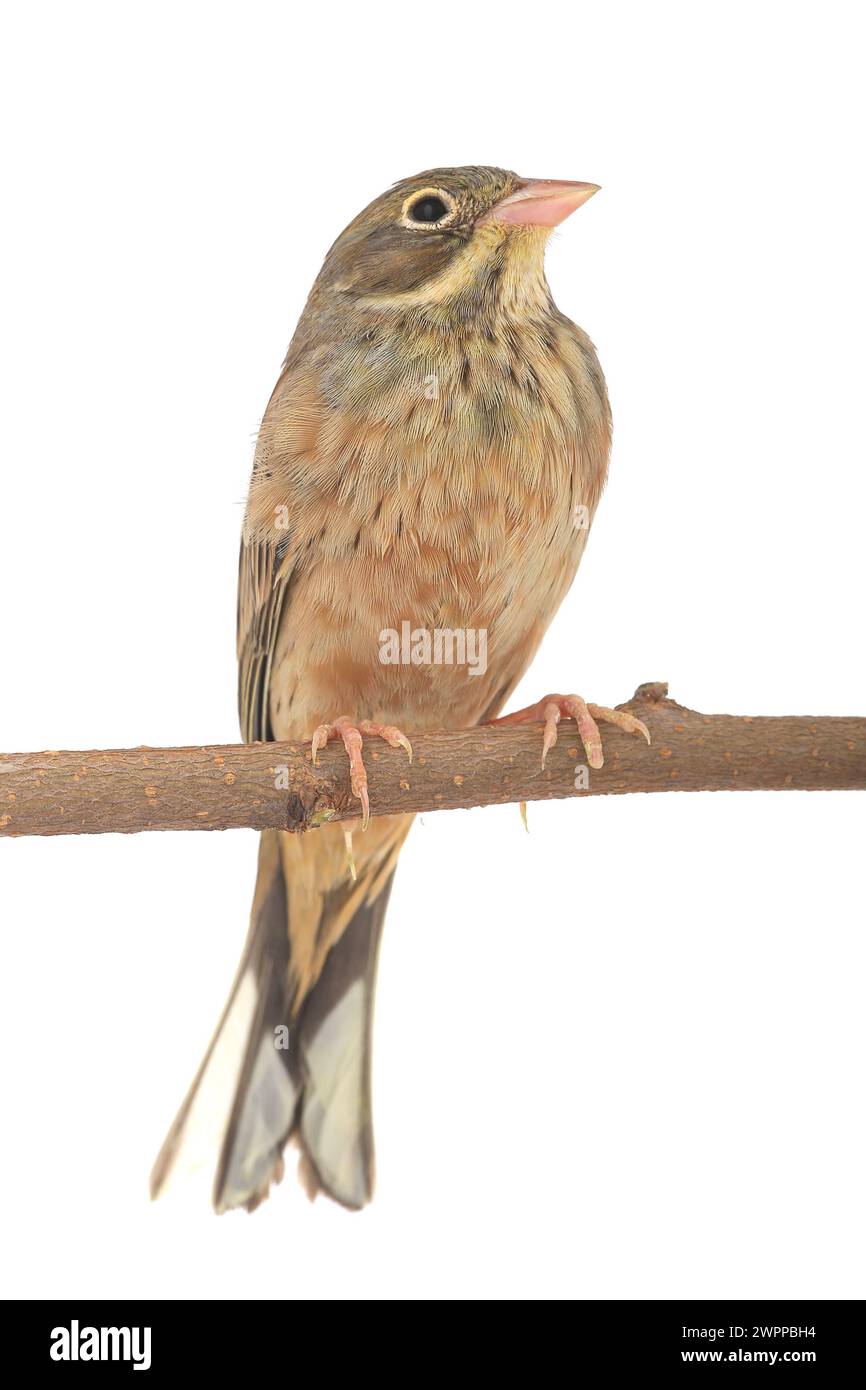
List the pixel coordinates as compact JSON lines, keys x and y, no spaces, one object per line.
{"x":291,"y":1053}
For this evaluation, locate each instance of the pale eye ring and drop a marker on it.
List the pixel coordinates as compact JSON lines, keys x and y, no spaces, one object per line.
{"x":428,"y":209}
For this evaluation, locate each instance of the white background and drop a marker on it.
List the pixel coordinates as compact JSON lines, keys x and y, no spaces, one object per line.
{"x":621,"y":1056}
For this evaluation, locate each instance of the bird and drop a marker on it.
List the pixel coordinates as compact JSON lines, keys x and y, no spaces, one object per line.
{"x":433,"y":454}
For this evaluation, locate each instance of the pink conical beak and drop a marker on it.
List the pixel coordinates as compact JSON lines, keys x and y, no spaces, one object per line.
{"x":541,"y":202}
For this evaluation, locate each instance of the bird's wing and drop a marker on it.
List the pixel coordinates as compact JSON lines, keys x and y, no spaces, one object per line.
{"x":270,"y":554}
{"x":308,"y":965}
{"x":264,"y":580}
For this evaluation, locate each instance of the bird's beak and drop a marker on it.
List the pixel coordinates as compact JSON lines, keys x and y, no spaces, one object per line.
{"x":541,"y":202}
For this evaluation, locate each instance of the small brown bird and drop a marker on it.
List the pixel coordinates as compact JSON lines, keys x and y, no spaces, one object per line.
{"x":429,"y":463}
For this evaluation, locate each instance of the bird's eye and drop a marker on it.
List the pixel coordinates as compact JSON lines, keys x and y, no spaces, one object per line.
{"x":431,"y":207}
{"x":428,"y":210}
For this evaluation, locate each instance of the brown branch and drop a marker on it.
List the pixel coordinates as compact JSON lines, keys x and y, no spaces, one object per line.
{"x":264,"y":785}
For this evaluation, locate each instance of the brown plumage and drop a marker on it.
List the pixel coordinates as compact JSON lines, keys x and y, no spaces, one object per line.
{"x":434,"y":448}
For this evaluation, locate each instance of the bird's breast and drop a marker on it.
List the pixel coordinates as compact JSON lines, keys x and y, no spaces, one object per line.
{"x":436,"y":524}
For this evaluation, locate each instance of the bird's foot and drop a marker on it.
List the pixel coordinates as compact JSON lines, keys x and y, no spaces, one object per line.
{"x":351,"y":735}
{"x":552,"y":708}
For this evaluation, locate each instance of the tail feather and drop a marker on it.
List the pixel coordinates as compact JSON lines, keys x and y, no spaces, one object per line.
{"x":267,"y":1091}
{"x":335,"y":1124}
{"x":289,"y":1066}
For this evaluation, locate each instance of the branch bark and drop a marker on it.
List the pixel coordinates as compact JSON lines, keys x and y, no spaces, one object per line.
{"x":274,"y":785}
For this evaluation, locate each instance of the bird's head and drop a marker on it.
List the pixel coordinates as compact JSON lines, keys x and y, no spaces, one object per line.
{"x":458,"y":237}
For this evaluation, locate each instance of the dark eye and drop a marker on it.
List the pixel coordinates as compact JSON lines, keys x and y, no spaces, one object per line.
{"x":428,"y":209}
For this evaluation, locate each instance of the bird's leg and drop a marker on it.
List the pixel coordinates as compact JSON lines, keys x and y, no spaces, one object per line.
{"x":353,"y":743}
{"x":552,"y":708}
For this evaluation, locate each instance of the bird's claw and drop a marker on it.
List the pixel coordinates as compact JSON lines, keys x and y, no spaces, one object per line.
{"x":351,"y":736}
{"x":552,"y":708}
{"x":394,"y":737}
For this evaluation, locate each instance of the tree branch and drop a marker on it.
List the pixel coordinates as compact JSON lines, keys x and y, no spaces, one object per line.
{"x":263,"y":785}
